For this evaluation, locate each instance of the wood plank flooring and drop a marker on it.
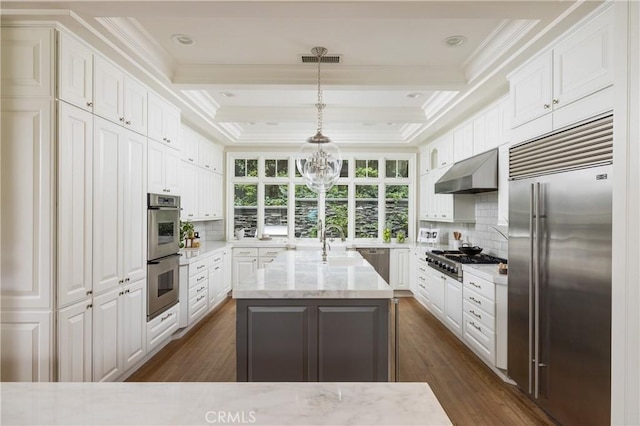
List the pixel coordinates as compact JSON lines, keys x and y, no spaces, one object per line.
{"x":469,"y":391}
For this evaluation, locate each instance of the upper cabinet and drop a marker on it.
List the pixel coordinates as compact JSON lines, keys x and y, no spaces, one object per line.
{"x":463,"y":139}
{"x":27,"y":62}
{"x":577,"y":66}
{"x":75,"y":76}
{"x":164,"y":121}
{"x":118,"y":97}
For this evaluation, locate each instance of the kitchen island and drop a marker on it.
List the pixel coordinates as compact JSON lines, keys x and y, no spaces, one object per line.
{"x":301,"y":319}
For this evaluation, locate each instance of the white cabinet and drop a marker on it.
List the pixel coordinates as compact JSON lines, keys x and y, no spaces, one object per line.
{"x":164,"y":121}
{"x":161,"y":328}
{"x":444,"y":207}
{"x":463,"y":139}
{"x":75,"y":196}
{"x":228,"y":270}
{"x":216,"y":282}
{"x":441,"y":152}
{"x":425,"y":159}
{"x":435,"y":285}
{"x":580,"y":64}
{"x":26,"y":346}
{"x":118,"y":330}
{"x":163,"y":169}
{"x":28,"y":204}
{"x":118,"y":97}
{"x":28,"y":61}
{"x":399,"y":272}
{"x":453,"y":305}
{"x":75,"y":342}
{"x":217,"y":194}
{"x":425,"y":195}
{"x":119,"y":206}
{"x":266,"y":255}
{"x":75,"y":72}
{"x":190,"y":145}
{"x":206,"y":154}
{"x":503,"y":185}
{"x":189,"y":200}
{"x":206,"y":196}
{"x":245,"y":263}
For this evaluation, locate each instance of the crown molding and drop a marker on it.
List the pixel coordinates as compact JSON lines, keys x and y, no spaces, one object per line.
{"x":132,"y":34}
{"x":203,"y":100}
{"x":436,"y":102}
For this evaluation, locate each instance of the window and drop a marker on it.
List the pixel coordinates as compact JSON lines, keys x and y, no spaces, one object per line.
{"x":397,"y":208}
{"x":337,"y":209}
{"x":246,"y":167}
{"x":276,"y":168}
{"x":245,"y":214}
{"x":276,"y":209}
{"x":397,"y":168}
{"x":366,"y":211}
{"x":366,"y":168}
{"x":306,"y":213}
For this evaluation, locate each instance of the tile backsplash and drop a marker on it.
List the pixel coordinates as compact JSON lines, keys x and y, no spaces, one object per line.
{"x":211,"y":230}
{"x":480,"y":233}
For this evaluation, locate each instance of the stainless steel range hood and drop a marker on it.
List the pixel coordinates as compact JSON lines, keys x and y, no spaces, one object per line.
{"x":471,"y":176}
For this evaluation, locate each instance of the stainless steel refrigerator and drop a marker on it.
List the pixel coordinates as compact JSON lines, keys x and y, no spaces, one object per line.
{"x":559,"y":314}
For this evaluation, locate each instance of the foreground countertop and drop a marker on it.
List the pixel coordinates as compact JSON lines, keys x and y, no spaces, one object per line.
{"x":303,"y":275}
{"x":221,"y":403}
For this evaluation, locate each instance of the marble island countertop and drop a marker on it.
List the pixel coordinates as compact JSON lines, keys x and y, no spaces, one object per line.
{"x":303,"y":275}
{"x":221,"y":403}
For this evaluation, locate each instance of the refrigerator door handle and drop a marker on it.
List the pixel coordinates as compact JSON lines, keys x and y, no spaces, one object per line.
{"x":536,"y":285}
{"x":531,"y":273}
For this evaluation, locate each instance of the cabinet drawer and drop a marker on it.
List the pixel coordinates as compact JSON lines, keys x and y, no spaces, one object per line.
{"x":421,"y":267}
{"x":200,"y":278}
{"x":199,"y":289}
{"x":480,"y":338}
{"x":479,"y":301}
{"x":270,"y":252}
{"x":479,"y":315}
{"x":161,"y":327}
{"x":200,"y":266}
{"x":197,"y":306}
{"x":245,"y":252}
{"x":216,"y":258}
{"x":480,"y":285}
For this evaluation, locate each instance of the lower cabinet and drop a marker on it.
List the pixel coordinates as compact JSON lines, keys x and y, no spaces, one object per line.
{"x":162,"y":327}
{"x":436,"y":289}
{"x":74,"y":342}
{"x":118,"y":330}
{"x":245,"y":263}
{"x":296,"y":340}
{"x":453,"y":305}
{"x":399,"y":271}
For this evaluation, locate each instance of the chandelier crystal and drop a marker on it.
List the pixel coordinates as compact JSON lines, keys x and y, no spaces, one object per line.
{"x":319,"y":161}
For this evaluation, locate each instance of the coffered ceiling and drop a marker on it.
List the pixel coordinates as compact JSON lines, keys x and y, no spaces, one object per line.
{"x":242,"y":80}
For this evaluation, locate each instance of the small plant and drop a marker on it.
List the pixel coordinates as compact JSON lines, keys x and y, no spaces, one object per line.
{"x":400,"y":236}
{"x":186,"y":231}
{"x":386,"y":235}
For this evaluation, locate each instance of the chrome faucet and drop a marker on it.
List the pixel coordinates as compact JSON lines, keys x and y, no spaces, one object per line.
{"x":323,"y":237}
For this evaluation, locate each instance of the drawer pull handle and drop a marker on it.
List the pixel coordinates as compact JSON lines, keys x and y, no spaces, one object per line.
{"x":128,"y":123}
{"x":200,"y":289}
{"x":422,"y":286}
{"x":546,"y":106}
{"x":474,"y":284}
{"x":89,"y":104}
{"x":200,"y":298}
{"x":166,"y":316}
{"x":200,"y":279}
{"x":200,"y":267}
{"x":476,"y":315}
{"x":217,"y":259}
{"x":475,"y":326}
{"x":422,"y":269}
{"x":475,"y":300}
{"x":90,"y":292}
{"x":216,"y":268}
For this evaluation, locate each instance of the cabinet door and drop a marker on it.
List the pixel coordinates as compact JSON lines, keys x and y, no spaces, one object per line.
{"x":107,"y":209}
{"x":155,"y":167}
{"x":583,"y":62}
{"x":404,"y":269}
{"x":436,"y":289}
{"x":228,"y":271}
{"x":75,"y":198}
{"x":107,"y":329}
{"x":26,"y":348}
{"x":134,"y":315}
{"x":243,"y":267}
{"x":108,"y":91}
{"x":453,"y":305}
{"x":75,"y":79}
{"x":218,"y":159}
{"x":445,"y":151}
{"x":171,"y":171}
{"x":27,"y":209}
{"x":205,"y":189}
{"x":493,"y":130}
{"x":135,"y":105}
{"x":28,"y":62}
{"x":205,"y":154}
{"x":531,"y":91}
{"x":503,"y":185}
{"x":171,"y":126}
{"x":216,"y":283}
{"x":463,"y":141}
{"x":154,"y":116}
{"x":425,"y":197}
{"x":189,"y":200}
{"x":74,"y":342}
{"x":217,"y":196}
{"x":134,"y":206}
{"x":189,"y":142}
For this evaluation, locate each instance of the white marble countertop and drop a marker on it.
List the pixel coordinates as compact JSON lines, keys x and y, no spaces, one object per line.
{"x":190,"y":255}
{"x":302,"y":275}
{"x":221,"y":403}
{"x":293,"y":244}
{"x":488,"y":272}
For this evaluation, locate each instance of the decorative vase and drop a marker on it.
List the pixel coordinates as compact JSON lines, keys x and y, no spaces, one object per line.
{"x":386,"y":235}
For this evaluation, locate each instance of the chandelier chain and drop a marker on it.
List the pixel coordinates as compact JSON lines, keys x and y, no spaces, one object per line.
{"x":320,"y":104}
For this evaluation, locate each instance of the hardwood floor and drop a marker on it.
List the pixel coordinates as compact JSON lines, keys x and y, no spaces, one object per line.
{"x":469,"y":391}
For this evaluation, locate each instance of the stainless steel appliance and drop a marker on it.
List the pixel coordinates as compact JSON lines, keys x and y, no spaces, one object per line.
{"x":378,"y":258}
{"x":163,"y":216}
{"x":471,"y":176}
{"x":559,"y":314}
{"x":450,"y":262}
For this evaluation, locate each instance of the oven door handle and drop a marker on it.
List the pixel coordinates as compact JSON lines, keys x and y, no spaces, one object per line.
{"x":162,"y":259}
{"x":163,"y":208}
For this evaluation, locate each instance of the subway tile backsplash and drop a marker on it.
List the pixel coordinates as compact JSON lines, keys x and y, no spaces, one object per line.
{"x":212,"y":230}
{"x":480,"y":233}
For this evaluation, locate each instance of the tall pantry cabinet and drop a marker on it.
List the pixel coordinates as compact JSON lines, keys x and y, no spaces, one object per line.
{"x":73,"y":273}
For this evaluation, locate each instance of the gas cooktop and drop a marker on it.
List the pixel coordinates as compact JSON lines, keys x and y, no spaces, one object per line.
{"x":450,"y":261}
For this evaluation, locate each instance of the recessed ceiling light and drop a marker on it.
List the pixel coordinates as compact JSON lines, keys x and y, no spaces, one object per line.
{"x":227,"y":94}
{"x":182,"y":39}
{"x":391,"y":124}
{"x":455,"y":40}
{"x":251,"y":123}
{"x":414,"y":95}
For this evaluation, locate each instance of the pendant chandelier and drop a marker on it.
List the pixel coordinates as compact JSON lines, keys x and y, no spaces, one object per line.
{"x":319,"y":161}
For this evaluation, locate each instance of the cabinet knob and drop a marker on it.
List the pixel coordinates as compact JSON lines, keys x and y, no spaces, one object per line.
{"x":127,"y":291}
{"x":121,"y":118}
{"x":127,"y":122}
{"x":206,"y":165}
{"x":555,"y":101}
{"x":120,"y":281}
{"x":191,"y":159}
{"x":546,"y":106}
{"x":168,"y":140}
{"x":90,"y":305}
{"x":89,"y":104}
{"x":121,"y":293}
{"x":89,"y":293}
{"x":164,"y":139}
{"x":126,"y":280}
{"x":190,"y":214}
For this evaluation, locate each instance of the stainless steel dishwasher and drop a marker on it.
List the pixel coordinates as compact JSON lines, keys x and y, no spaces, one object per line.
{"x":378,"y":258}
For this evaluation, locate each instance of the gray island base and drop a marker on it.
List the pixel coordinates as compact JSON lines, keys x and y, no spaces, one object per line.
{"x":304,"y":320}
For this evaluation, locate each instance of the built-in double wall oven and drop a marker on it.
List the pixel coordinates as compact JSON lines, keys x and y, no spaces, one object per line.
{"x":163,"y":243}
